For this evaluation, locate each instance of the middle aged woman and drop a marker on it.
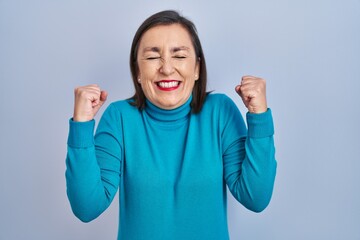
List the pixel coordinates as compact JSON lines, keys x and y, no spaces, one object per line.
{"x":172,"y":148}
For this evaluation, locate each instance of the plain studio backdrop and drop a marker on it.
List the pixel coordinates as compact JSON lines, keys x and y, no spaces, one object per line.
{"x":308,"y":51}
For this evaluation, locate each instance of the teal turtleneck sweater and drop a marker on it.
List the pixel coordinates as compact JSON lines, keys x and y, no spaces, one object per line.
{"x":171,"y":167}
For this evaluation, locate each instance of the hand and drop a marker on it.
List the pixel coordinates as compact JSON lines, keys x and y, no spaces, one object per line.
{"x":88,"y":101}
{"x":252,"y":91}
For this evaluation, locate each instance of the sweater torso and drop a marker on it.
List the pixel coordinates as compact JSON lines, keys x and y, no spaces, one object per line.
{"x":172,"y":175}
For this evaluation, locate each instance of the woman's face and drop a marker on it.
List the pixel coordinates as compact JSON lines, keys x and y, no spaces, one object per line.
{"x":168,"y":67}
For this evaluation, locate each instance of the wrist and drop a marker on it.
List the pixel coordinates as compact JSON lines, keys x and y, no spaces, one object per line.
{"x":77,"y":118}
{"x":258,"y":110}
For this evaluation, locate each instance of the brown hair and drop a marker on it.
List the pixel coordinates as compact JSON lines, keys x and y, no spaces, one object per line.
{"x":167,"y":18}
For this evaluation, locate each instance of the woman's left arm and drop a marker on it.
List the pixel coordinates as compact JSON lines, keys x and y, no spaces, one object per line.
{"x":249,"y":155}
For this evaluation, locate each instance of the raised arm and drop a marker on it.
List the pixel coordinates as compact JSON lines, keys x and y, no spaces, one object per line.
{"x":92,"y":163}
{"x":249,"y":155}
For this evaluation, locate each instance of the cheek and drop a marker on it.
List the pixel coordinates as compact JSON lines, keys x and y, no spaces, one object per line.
{"x":147,"y":86}
{"x":147,"y":71}
{"x":188,"y":69}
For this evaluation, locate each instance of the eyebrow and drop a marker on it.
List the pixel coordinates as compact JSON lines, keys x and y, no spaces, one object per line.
{"x":177,"y":49}
{"x":151,"y":49}
{"x":173,"y":50}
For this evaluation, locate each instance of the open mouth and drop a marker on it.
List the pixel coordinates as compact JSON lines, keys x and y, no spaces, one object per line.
{"x":168,"y":85}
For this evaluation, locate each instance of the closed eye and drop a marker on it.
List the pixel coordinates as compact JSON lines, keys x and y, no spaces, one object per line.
{"x":180,"y":57}
{"x":152,"y":58}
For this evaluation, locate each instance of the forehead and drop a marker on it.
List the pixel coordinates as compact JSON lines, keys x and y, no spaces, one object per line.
{"x":173,"y":35}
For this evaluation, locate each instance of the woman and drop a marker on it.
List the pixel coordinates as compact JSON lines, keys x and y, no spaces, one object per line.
{"x":172,"y":148}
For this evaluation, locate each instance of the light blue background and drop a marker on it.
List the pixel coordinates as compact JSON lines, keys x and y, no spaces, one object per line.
{"x":308,"y":51}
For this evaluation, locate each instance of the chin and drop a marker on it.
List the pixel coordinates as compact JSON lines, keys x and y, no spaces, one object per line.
{"x":168,"y":106}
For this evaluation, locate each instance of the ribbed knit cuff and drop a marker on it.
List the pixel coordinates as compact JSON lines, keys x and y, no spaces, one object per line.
{"x":81,"y":134}
{"x":260,"y":124}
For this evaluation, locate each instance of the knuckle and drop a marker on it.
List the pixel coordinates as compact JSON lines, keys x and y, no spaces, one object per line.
{"x":77,"y":90}
{"x":242,"y":88}
{"x":82,"y":92}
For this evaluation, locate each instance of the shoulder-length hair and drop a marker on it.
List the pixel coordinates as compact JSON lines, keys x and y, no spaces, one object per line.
{"x":167,"y":18}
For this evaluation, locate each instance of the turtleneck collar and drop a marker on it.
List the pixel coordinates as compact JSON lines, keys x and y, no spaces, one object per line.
{"x":172,"y":115}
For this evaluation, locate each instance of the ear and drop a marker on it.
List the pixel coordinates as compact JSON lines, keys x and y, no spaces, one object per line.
{"x":197,"y":69}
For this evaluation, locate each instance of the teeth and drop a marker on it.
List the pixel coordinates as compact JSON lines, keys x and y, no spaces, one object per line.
{"x":168,"y":84}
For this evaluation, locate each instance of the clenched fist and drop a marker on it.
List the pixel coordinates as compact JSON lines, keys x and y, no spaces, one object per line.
{"x":252,"y":91}
{"x":88,"y":100}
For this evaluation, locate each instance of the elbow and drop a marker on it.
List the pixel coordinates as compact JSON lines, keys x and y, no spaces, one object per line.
{"x":260,"y":197}
{"x":258,"y":203}
{"x":258,"y":207}
{"x":84,"y":217}
{"x":83,"y":209}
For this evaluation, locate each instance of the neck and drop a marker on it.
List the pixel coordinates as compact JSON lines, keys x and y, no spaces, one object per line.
{"x":165,"y":115}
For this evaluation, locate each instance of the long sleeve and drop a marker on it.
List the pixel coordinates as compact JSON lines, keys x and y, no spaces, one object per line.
{"x":93,"y":164}
{"x":249,"y":157}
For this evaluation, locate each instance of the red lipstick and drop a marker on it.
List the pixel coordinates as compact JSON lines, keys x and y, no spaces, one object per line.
{"x":168,"y":85}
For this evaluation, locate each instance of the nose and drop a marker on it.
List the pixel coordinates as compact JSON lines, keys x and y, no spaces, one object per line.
{"x":166,"y":67}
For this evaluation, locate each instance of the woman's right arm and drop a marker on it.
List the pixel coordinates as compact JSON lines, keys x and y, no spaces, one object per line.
{"x":92,"y":163}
